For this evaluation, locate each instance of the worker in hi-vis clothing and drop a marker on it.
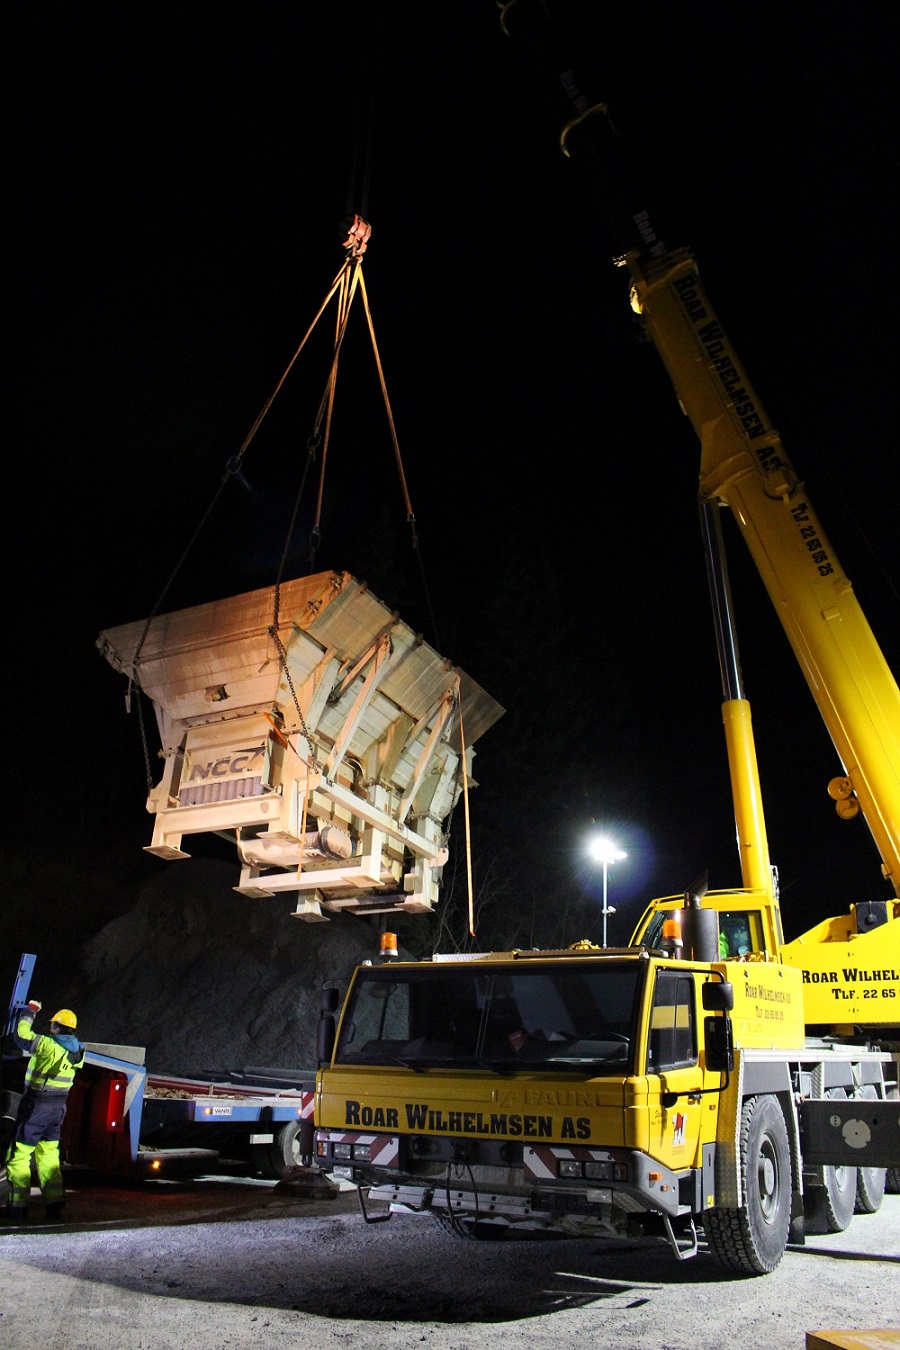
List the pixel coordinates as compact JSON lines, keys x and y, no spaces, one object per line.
{"x":50,"y":1073}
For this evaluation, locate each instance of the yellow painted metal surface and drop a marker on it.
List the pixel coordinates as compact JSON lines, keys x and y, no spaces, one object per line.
{"x":633,"y":1113}
{"x":769,"y":1012}
{"x":849,"y":977}
{"x":664,"y":1114}
{"x":756,"y":870}
{"x":758,"y":907}
{"x":475,"y":1104}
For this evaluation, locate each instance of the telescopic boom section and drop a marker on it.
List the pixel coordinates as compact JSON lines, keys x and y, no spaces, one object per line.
{"x":744,"y":465}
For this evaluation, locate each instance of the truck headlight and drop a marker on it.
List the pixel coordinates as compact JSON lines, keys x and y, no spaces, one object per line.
{"x":362,"y":1152}
{"x":342,"y":1150}
{"x":570,"y":1167}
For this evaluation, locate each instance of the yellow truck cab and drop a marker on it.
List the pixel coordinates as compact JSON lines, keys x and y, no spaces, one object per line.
{"x":591,"y":1091}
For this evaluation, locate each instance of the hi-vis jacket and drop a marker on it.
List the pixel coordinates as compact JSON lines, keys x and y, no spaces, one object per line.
{"x":54,"y":1059}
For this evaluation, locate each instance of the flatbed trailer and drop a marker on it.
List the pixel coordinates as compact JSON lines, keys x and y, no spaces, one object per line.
{"x":126,"y":1122}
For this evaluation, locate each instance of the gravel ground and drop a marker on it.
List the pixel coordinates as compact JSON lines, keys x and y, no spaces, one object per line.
{"x":223,"y":1263}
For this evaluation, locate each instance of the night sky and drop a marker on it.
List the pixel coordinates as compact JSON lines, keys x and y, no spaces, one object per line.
{"x":179,"y":176}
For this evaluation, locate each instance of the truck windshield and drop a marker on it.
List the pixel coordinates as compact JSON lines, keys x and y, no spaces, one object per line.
{"x":572,"y":1016}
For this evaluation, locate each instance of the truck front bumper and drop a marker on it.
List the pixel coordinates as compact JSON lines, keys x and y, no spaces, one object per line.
{"x":541,"y":1181}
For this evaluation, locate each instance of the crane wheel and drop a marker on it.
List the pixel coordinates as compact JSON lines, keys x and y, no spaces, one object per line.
{"x":871,"y":1182}
{"x":751,"y":1239}
{"x":829,"y":1202}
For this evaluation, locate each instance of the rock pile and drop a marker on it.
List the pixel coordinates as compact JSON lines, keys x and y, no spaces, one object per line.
{"x":206,"y":980}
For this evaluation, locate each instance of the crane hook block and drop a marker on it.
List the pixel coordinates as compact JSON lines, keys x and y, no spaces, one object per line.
{"x":355,"y":235}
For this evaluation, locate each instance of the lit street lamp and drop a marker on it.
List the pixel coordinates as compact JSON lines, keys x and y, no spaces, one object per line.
{"x":605,"y":852}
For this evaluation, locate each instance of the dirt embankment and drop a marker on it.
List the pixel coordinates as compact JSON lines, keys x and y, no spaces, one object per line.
{"x":206,"y":980}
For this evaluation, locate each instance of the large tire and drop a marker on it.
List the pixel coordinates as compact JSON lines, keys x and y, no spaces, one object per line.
{"x":274,"y":1161}
{"x":752,"y":1239}
{"x":840,"y":1197}
{"x":829,"y":1205}
{"x":892,"y":1179}
{"x":870,"y":1181}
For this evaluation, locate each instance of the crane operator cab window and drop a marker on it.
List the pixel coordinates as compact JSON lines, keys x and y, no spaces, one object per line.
{"x":740,"y":933}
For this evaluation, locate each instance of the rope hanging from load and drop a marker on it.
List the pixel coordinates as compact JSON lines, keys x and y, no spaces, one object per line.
{"x":356,"y":233}
{"x":232,"y":467}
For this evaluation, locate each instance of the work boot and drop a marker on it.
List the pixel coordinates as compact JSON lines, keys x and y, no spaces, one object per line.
{"x":16,"y":1214}
{"x":54,"y":1211}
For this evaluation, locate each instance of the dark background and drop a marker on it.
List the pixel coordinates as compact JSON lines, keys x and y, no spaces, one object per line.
{"x":179,"y":173}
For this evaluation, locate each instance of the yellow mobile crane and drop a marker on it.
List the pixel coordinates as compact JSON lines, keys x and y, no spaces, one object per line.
{"x":709,"y":1076}
{"x":850,"y":965}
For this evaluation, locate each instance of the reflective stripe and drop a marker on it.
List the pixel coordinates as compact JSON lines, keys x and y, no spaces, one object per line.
{"x":385,"y":1148}
{"x":49,"y":1173}
{"x":49,"y":1074}
{"x":49,"y":1069}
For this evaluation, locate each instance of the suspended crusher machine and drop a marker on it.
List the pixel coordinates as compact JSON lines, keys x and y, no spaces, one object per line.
{"x":317,"y":730}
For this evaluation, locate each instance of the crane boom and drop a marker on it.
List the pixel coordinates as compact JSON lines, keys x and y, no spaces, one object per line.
{"x":744,"y":465}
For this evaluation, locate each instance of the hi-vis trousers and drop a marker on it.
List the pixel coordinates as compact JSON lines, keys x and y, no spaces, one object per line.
{"x":40,"y":1122}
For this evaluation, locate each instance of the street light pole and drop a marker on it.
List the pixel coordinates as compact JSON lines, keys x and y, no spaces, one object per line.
{"x":605,"y":905}
{"x":605,"y":853}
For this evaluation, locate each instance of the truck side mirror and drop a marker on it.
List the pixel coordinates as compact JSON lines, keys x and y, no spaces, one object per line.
{"x":718,"y":1037}
{"x":718,"y":1043}
{"x":327,"y":1028}
{"x":718,"y":996}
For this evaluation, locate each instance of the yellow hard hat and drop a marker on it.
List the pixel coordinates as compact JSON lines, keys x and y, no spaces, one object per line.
{"x":66,"y":1018}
